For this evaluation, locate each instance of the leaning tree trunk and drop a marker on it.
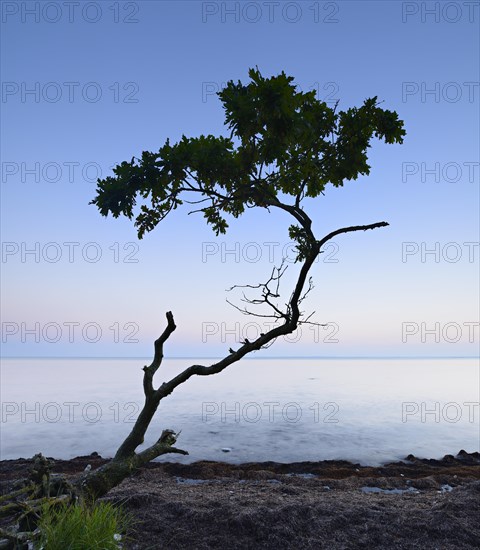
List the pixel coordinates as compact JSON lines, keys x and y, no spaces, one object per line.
{"x":126,"y":460}
{"x":98,"y":482}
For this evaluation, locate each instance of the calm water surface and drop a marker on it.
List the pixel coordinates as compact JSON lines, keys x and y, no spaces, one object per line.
{"x":365,"y":410}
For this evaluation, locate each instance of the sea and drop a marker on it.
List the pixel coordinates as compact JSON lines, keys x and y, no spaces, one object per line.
{"x":366,"y":410}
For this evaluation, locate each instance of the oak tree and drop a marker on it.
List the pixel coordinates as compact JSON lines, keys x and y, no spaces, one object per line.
{"x":282,"y":146}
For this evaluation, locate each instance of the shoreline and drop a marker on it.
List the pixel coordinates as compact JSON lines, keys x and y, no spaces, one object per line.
{"x":332,"y":504}
{"x":460,"y":459}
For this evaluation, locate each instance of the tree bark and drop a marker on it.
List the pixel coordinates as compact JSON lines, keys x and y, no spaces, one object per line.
{"x":98,"y":483}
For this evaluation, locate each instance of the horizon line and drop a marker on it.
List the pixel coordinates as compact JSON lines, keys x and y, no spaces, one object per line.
{"x":248,"y":358}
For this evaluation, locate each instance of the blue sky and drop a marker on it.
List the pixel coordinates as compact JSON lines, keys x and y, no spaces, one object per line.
{"x":86,"y":86}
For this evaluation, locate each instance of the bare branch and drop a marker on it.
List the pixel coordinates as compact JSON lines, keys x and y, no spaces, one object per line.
{"x":350,"y":229}
{"x":196,"y":202}
{"x":266,"y":294}
{"x":245,"y":311}
{"x":162,"y":446}
{"x":158,"y":356}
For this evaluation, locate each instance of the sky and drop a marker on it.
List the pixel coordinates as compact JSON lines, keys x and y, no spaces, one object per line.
{"x":86,"y":85}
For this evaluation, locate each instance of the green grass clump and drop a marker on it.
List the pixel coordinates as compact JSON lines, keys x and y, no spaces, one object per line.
{"x":83,"y":527}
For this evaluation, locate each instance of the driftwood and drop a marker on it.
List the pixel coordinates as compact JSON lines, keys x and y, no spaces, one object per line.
{"x":22,"y":507}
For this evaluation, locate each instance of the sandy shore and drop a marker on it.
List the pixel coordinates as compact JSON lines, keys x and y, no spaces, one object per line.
{"x":414,"y":504}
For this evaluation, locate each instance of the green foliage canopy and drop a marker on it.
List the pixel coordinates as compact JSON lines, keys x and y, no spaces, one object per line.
{"x":282,"y":142}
